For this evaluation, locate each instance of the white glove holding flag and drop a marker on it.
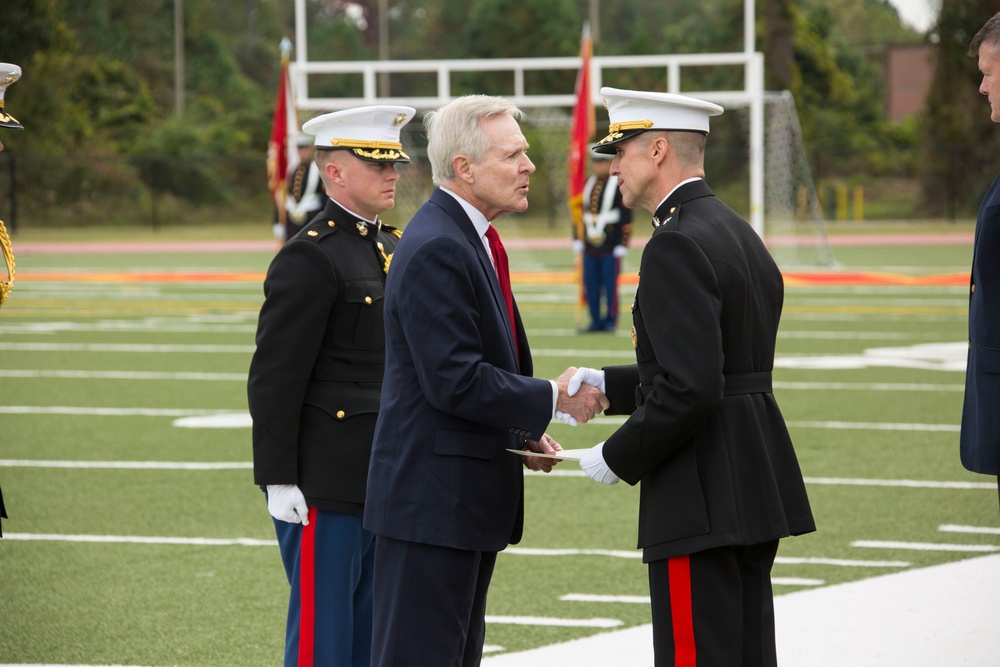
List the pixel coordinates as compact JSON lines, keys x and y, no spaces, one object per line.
{"x":619,"y":251}
{"x":594,"y":465}
{"x":285,"y":502}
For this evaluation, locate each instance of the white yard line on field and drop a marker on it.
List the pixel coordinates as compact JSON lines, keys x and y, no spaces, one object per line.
{"x":245,"y":465}
{"x":928,"y":617}
{"x":123,"y":375}
{"x":126,"y":347}
{"x":925,"y":546}
{"x":242,"y":377}
{"x":980,"y":530}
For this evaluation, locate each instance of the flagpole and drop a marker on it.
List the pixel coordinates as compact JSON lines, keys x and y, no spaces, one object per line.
{"x":278,"y":146}
{"x":581,"y":133}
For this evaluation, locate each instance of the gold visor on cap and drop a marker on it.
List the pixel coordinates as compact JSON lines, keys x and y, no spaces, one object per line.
{"x":630,"y":125}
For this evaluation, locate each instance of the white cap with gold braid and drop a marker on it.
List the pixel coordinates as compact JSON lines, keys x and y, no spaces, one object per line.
{"x":633,"y":111}
{"x":8,"y":75}
{"x":370,"y":133}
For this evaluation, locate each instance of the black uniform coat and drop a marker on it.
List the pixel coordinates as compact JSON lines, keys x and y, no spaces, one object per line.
{"x":457,"y":393}
{"x":980,"y":436}
{"x":705,"y":436}
{"x":315,"y":378}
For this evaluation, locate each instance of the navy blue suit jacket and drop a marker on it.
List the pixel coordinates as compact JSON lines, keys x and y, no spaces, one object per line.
{"x":454,"y":397}
{"x":980,"y":438}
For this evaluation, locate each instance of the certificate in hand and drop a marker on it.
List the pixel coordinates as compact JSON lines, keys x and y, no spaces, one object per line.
{"x":564,"y":455}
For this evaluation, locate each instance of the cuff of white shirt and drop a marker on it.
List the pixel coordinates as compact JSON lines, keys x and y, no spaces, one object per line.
{"x":555,"y":398}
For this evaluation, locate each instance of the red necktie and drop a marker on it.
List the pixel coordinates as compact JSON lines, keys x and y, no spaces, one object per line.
{"x":503,"y":275}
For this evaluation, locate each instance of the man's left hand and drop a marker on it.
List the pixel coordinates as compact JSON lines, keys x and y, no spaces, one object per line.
{"x":545,"y":445}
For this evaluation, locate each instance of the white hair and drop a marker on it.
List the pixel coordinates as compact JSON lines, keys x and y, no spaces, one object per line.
{"x":455,"y":129}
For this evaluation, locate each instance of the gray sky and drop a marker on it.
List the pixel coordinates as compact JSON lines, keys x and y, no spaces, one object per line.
{"x":918,"y":13}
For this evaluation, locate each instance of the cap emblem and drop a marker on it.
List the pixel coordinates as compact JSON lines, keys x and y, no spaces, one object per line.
{"x":630,"y":125}
{"x":611,"y":137}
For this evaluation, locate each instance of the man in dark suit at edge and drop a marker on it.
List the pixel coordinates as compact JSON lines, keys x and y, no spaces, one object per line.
{"x":980,"y":435}
{"x":720,"y":482}
{"x":444,"y":495}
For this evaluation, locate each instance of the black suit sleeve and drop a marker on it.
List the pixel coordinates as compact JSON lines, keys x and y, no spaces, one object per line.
{"x":299,"y":293}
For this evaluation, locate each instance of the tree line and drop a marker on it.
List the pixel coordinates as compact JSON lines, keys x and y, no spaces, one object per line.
{"x":99,"y":74}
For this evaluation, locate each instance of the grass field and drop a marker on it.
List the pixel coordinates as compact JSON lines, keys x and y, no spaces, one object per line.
{"x":136,"y":536}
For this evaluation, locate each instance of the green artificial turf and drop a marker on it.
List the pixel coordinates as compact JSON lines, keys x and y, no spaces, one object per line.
{"x":158,"y":594}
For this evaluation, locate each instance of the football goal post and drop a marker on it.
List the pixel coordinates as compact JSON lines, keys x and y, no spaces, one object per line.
{"x":781,"y":202}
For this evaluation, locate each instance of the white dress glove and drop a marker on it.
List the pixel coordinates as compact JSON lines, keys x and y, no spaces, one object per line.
{"x":593,"y":464}
{"x":619,"y":251}
{"x":577,"y":246}
{"x":285,"y":502}
{"x":279,"y":231}
{"x":591,"y":376}
{"x":566,"y":418}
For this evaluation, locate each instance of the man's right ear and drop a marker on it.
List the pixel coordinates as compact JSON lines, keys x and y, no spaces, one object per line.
{"x":463,"y":168}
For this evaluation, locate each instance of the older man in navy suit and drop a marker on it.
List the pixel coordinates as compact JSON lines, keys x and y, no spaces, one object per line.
{"x":444,"y":494}
{"x":980,"y":437}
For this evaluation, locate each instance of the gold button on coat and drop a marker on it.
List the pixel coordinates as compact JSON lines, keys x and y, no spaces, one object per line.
{"x":341,"y":414}
{"x":368,"y":300}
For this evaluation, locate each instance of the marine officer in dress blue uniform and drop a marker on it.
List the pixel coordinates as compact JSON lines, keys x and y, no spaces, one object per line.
{"x":607,"y":226}
{"x":8,"y":74}
{"x":306,"y":197}
{"x":720,"y":482}
{"x":315,"y":382}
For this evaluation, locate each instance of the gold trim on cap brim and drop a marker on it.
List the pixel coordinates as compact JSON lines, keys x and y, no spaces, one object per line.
{"x":606,"y":146}
{"x":8,"y":121}
{"x":381,"y":155}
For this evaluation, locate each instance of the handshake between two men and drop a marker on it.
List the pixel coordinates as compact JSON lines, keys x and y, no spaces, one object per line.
{"x":581,"y":398}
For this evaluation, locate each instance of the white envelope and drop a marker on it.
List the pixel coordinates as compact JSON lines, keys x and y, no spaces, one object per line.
{"x":564,"y":455}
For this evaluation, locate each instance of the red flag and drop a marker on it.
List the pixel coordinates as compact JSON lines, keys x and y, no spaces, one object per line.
{"x":277,"y":147}
{"x":583,"y":130}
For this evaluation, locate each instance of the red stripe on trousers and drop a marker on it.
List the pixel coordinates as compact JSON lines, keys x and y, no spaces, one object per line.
{"x":307,"y":591}
{"x":681,"y":611}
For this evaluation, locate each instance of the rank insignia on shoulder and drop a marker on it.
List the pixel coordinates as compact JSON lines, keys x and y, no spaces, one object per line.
{"x":312,"y":232}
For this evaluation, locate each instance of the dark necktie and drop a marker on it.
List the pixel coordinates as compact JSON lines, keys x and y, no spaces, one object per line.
{"x":503,"y":275}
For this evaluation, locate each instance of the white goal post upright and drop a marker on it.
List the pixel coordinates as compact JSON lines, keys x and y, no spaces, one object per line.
{"x":751,"y":95}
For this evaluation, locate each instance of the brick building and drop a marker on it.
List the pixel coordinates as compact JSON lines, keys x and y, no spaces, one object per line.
{"x":908,"y":73}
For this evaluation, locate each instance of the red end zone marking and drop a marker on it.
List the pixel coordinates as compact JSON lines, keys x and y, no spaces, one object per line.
{"x":524,"y":277}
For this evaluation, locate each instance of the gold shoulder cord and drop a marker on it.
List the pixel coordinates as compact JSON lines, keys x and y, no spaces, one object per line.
{"x":8,"y":257}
